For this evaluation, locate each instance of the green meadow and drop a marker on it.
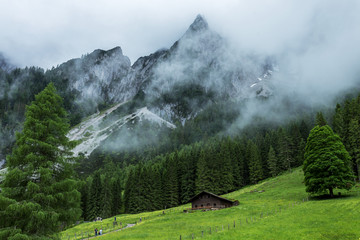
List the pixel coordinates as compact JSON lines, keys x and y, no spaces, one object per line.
{"x":278,"y":208}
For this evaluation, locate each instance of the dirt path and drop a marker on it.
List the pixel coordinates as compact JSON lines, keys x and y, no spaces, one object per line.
{"x":117,"y":230}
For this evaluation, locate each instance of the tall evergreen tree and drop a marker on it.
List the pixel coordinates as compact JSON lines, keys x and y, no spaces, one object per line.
{"x":106,"y":197}
{"x":354,"y":145}
{"x":170,"y":182}
{"x":338,"y":121}
{"x":320,"y":120}
{"x":273,"y":162}
{"x":255,"y":164}
{"x":95,"y":199}
{"x":116,"y":197}
{"x":327,"y":163}
{"x":40,"y":181}
{"x":203,"y":182}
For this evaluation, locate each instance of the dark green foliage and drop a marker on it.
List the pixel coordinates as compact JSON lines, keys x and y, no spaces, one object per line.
{"x":170,"y":182}
{"x":273,"y":162}
{"x":95,"y":198}
{"x":255,"y":166}
{"x":327,"y":163}
{"x":107,"y":197}
{"x":338,"y":121}
{"x":39,"y":182}
{"x":320,"y":120}
{"x":117,"y":202}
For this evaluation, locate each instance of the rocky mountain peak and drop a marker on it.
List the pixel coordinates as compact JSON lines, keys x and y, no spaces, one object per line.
{"x":199,"y":24}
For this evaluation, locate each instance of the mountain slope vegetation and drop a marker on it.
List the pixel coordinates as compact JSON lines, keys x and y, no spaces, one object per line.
{"x":278,"y":208}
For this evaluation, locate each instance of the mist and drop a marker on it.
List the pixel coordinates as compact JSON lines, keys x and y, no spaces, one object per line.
{"x":303,"y":51}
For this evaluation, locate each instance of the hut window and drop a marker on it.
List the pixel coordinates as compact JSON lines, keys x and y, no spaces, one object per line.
{"x":208,"y":204}
{"x":214,"y":204}
{"x":202,"y":205}
{"x":195,"y":205}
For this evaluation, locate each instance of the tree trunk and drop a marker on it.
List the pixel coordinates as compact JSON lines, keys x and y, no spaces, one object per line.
{"x":331,"y":192}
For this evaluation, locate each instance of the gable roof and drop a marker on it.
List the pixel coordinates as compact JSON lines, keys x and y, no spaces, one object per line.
{"x":214,"y":195}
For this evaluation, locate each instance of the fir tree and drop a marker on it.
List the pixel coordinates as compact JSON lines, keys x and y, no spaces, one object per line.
{"x":338,"y":121}
{"x":203,"y":182}
{"x":39,"y":184}
{"x":354,"y":145}
{"x":95,"y":199}
{"x":327,"y":163}
{"x":106,"y":197}
{"x":116,"y":190}
{"x":255,"y":165}
{"x":320,"y":120}
{"x":273,"y":162}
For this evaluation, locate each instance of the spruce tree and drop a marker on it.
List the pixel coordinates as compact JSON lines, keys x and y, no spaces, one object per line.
{"x":203,"y":182}
{"x":327,"y":163}
{"x":354,"y":145}
{"x":338,"y":121}
{"x":106,"y":197}
{"x":95,"y":197}
{"x":116,"y":197}
{"x":255,"y":165}
{"x":320,"y":120}
{"x":273,"y":162}
{"x":40,"y":187}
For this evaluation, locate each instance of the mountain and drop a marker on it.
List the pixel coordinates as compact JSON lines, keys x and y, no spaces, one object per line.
{"x":198,"y":71}
{"x":91,"y":132}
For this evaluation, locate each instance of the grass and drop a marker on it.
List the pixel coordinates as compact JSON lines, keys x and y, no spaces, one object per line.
{"x":274,"y":209}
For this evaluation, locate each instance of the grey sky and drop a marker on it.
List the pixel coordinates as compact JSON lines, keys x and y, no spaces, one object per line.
{"x":46,"y":33}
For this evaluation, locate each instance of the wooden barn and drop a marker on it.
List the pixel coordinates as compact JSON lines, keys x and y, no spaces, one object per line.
{"x":207,"y":200}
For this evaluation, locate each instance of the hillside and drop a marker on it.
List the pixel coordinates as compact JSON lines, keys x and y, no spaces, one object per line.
{"x":278,"y":208}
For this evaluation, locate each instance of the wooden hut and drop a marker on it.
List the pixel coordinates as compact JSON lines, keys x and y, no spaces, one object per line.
{"x":207,"y":200}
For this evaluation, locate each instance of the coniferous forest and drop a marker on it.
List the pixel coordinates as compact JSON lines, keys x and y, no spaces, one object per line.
{"x":218,"y":164}
{"x":199,"y":155}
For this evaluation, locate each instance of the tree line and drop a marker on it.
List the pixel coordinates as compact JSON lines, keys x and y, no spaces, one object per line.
{"x":218,"y":164}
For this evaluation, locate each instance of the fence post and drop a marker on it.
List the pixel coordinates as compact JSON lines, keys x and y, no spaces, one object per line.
{"x":223,"y":227}
{"x":202,"y":233}
{"x":234,"y":223}
{"x":192,"y":236}
{"x":180,"y":237}
{"x":228,"y":226}
{"x":210,"y":230}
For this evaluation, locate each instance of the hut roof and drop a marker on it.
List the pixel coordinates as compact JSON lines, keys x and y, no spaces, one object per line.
{"x":212,"y":194}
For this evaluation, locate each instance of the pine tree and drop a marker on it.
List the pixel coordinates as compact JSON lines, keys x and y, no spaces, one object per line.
{"x":226,"y":179}
{"x":130,"y":186}
{"x":170,"y":182}
{"x":354,"y":145}
{"x":338,"y":121}
{"x":327,"y":163}
{"x":273,"y":162}
{"x":320,"y":120}
{"x":285,"y":155}
{"x":255,"y":165}
{"x":40,"y":182}
{"x":95,"y":199}
{"x":203,"y":182}
{"x":106,"y":197}
{"x":116,"y":197}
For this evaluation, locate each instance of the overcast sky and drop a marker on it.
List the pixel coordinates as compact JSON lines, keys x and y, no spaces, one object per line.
{"x":46,"y":33}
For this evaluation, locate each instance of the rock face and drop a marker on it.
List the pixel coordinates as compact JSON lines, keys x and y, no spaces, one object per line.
{"x":173,"y":84}
{"x":200,"y":60}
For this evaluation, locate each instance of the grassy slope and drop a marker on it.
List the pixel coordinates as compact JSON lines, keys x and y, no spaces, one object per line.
{"x":277,"y":213}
